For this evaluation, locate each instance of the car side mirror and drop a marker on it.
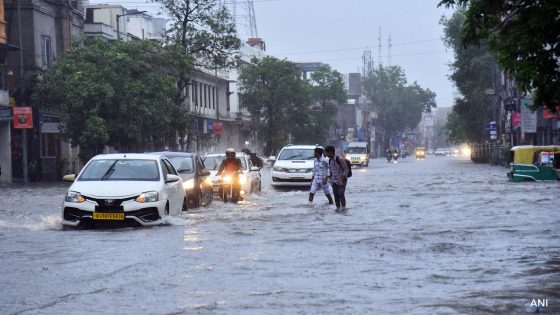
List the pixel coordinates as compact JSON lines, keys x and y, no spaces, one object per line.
{"x":69,"y":178}
{"x":272,"y":158}
{"x":205,"y":173}
{"x":172,"y":178}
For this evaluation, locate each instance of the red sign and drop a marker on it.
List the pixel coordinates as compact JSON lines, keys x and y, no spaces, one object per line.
{"x":23,"y":117}
{"x":218,"y":127}
{"x":547,"y":114}
{"x":515,"y":120}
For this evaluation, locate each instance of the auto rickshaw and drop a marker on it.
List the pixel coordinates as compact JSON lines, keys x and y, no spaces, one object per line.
{"x":420,"y":153}
{"x":532,"y":163}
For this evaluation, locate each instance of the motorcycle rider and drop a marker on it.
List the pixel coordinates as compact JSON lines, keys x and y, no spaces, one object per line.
{"x":232,"y":165}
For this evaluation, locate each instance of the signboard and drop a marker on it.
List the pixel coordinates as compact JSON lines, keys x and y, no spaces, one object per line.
{"x":23,"y":117}
{"x":528,"y":117}
{"x":49,"y":127}
{"x":515,"y":120}
{"x":5,"y":113}
{"x":491,"y":126}
{"x":218,"y":127}
{"x":547,"y":114}
{"x":209,"y":126}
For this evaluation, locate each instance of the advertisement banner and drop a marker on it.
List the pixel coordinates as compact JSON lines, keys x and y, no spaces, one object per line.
{"x":218,"y":127}
{"x":23,"y":117}
{"x":528,"y":117}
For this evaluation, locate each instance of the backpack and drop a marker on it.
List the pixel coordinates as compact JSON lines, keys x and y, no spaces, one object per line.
{"x":347,"y":164}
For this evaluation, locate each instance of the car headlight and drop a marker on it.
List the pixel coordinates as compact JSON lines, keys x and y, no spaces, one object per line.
{"x":278,"y":169}
{"x":75,"y":197}
{"x":208,"y":181}
{"x":189,"y":184}
{"x":242,"y":180}
{"x":150,"y":196}
{"x":226,"y":179}
{"x":347,"y":157}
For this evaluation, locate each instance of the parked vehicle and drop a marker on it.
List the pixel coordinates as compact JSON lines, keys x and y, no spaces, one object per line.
{"x":357,"y":153}
{"x":133,"y":188}
{"x":249,"y":178}
{"x":441,"y":152}
{"x":532,"y":163}
{"x":293,"y":166}
{"x":420,"y":153}
{"x":196,"y":180}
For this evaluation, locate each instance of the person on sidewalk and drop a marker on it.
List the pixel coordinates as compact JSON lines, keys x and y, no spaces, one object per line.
{"x":338,"y":176}
{"x":320,"y":176}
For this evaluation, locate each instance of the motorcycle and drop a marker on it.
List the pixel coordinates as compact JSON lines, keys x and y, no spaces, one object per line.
{"x":395,"y":156}
{"x":229,"y":187}
{"x":389,"y":156}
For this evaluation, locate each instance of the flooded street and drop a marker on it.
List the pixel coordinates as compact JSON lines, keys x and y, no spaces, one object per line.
{"x":437,"y":236}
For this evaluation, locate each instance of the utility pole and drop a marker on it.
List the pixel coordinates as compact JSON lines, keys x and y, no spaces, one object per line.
{"x":20,"y":88}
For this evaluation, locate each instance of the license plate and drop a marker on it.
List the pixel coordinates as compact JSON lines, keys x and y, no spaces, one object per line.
{"x":108,"y":216}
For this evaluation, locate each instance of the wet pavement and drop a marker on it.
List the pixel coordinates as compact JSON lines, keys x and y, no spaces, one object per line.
{"x":436,"y":236}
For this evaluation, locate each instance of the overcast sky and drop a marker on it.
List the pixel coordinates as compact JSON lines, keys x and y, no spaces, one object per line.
{"x":337,"y":32}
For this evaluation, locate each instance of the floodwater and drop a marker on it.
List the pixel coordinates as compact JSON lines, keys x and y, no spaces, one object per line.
{"x":437,"y":236}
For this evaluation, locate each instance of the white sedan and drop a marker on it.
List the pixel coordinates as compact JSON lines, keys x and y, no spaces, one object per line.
{"x":133,"y":188}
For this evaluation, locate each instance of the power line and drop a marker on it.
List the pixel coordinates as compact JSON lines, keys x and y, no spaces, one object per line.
{"x":399,"y":55}
{"x":356,"y":48}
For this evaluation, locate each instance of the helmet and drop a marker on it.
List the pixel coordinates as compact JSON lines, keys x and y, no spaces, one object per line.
{"x":230,"y":153}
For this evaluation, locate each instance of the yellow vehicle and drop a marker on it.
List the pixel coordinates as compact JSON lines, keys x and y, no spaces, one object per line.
{"x":532,"y":163}
{"x":420,"y":153}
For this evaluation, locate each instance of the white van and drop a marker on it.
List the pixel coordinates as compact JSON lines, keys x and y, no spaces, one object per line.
{"x":357,"y":153}
{"x":293,"y":166}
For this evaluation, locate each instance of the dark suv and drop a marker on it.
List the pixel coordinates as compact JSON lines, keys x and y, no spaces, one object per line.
{"x":196,"y":181}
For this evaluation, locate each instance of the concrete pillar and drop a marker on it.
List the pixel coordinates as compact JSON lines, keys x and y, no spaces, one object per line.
{"x":5,"y":152}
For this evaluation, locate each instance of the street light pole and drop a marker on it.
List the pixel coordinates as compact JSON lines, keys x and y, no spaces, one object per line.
{"x":118,"y":24}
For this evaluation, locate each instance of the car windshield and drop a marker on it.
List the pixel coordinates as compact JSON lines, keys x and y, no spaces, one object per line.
{"x":297,"y":154}
{"x":213,"y":162}
{"x":182,"y":163}
{"x":356,"y":150}
{"x":111,"y":169}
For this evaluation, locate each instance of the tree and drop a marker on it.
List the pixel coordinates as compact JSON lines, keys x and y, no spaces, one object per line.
{"x":277,"y":98}
{"x":523,"y":34}
{"x":327,"y":91}
{"x":203,"y":32}
{"x":474,"y":71}
{"x":113,"y":93}
{"x":399,"y":106}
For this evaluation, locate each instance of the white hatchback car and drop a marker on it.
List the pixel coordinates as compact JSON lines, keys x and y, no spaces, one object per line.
{"x":133,"y":188}
{"x":293,"y":166}
{"x":250,"y":178}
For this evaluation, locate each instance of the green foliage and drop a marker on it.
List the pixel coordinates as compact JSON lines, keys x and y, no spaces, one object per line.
{"x":277,"y":98}
{"x":327,"y":92}
{"x":113,"y":93}
{"x":204,"y":30}
{"x":524,"y":35}
{"x":399,"y":106}
{"x":474,"y":71}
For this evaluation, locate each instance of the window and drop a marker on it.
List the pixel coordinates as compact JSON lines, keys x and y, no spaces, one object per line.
{"x":205,"y":95}
{"x":213,"y":97}
{"x":194,"y":93}
{"x":46,"y":51}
